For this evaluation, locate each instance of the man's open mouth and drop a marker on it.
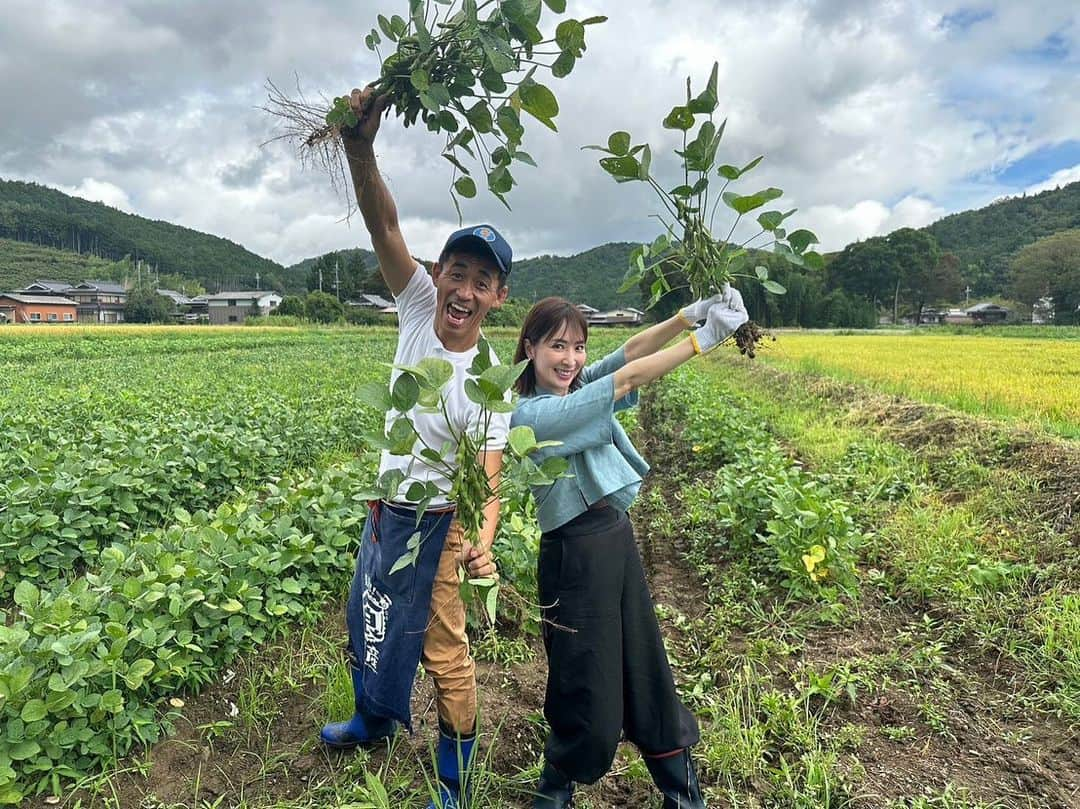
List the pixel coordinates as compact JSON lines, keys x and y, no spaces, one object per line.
{"x":457,"y":315}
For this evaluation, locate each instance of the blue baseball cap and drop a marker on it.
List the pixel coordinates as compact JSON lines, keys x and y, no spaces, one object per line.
{"x":488,"y":237}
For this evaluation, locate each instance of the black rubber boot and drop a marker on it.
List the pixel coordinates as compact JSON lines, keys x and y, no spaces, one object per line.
{"x":675,"y":777}
{"x":554,"y":790}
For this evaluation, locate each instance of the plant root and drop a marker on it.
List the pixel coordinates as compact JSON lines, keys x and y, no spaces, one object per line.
{"x":748,"y":336}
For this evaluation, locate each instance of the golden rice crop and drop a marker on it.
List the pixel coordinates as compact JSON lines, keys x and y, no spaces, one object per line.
{"x":1030,"y":379}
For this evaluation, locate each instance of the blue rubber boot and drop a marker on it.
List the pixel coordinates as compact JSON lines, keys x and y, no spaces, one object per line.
{"x":362,"y":729}
{"x":453,"y":763}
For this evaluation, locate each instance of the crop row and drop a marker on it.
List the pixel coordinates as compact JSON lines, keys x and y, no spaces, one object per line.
{"x":83,"y":666}
{"x":69,"y":488}
{"x":756,"y":502}
{"x":41,"y":345}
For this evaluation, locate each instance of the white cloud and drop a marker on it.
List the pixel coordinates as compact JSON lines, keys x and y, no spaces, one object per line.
{"x":100,"y":191}
{"x":1060,"y":177}
{"x":871,"y":115}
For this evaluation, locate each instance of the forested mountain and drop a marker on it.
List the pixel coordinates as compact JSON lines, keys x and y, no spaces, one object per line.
{"x":39,"y":215}
{"x":986,"y":240}
{"x":592,"y":277}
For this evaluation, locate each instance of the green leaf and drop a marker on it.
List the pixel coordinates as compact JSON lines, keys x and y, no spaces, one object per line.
{"x":539,"y":102}
{"x":491,"y":601}
{"x":679,"y":118}
{"x":774,"y":287}
{"x":563,"y":65}
{"x":479,"y":117}
{"x":570,"y":36}
{"x":762,"y":273}
{"x":525,"y":158}
{"x":770,"y":220}
{"x":801,"y":239}
{"x":621,"y":167}
{"x":619,"y":143}
{"x":402,"y":437}
{"x":23,"y":750}
{"x":375,"y":395}
{"x":33,"y":710}
{"x":510,"y":124}
{"x":436,"y":371}
{"x":26,"y":595}
{"x":500,"y":180}
{"x":503,"y":376}
{"x":465,"y":187}
{"x":482,"y":361}
{"x":420,"y":79}
{"x":492,"y":81}
{"x":387,"y":30}
{"x":406,"y":392}
{"x":813,"y":260}
{"x":498,"y":52}
{"x":594,"y":20}
{"x":522,"y":440}
{"x":403,"y":561}
{"x":558,"y":6}
{"x":745,"y":204}
{"x":706,"y":102}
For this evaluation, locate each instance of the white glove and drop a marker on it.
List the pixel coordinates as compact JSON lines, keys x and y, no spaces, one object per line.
{"x":721,"y":321}
{"x":695,"y":312}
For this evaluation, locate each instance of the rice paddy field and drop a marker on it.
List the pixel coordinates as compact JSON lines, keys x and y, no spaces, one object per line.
{"x":1034,"y":380}
{"x":863,"y":549}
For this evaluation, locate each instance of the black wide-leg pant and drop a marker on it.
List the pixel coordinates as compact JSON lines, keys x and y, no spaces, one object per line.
{"x":608,"y":672}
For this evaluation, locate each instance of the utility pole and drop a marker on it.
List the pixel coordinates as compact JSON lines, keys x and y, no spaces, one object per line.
{"x":967,"y":295}
{"x":337,"y":286}
{"x":257,"y":287}
{"x":320,"y":279}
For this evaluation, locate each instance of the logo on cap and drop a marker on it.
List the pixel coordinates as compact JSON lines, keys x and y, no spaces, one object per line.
{"x":487,"y":234}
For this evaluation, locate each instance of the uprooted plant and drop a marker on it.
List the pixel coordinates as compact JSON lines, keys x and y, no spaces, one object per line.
{"x":461,"y":73}
{"x":460,"y":458}
{"x":687,"y":254}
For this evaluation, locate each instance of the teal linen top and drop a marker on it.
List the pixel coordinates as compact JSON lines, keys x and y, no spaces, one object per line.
{"x":603,"y":462}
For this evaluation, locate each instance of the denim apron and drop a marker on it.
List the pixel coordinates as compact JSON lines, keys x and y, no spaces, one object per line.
{"x":387,"y":614}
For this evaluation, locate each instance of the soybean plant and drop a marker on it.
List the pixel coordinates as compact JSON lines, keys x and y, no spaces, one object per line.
{"x":459,"y":459}
{"x":687,"y":254}
{"x":465,"y":69}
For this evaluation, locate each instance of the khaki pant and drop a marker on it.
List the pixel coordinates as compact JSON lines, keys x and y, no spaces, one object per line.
{"x":446,"y":654}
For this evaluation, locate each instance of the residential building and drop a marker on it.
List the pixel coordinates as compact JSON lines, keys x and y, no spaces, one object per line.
{"x":984,"y":313}
{"x":617,"y":317}
{"x":99,"y":301}
{"x":367,"y":300}
{"x":235,"y":307}
{"x":44,"y":286}
{"x":18,"y":308}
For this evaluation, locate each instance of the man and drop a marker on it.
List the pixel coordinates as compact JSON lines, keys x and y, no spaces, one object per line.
{"x":416,"y":614}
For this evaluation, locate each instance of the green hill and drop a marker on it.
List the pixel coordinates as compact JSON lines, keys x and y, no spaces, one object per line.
{"x":985,"y":240}
{"x":592,"y":277}
{"x":43,"y":216}
{"x":22,"y":263}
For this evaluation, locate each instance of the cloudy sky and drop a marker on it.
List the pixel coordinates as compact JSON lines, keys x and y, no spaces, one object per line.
{"x":871,"y":115}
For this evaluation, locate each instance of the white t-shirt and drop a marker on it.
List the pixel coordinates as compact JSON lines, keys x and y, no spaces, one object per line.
{"x":416,"y":340}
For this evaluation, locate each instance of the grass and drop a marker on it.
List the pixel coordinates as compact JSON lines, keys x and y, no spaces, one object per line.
{"x":952,"y":530}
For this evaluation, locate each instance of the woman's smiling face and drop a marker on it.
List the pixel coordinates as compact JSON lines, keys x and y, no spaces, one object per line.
{"x":557,"y":359}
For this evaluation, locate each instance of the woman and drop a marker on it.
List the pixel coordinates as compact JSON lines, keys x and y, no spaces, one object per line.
{"x":608,"y":672}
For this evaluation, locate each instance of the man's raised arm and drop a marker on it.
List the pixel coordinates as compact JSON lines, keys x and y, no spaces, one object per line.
{"x":372,"y":196}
